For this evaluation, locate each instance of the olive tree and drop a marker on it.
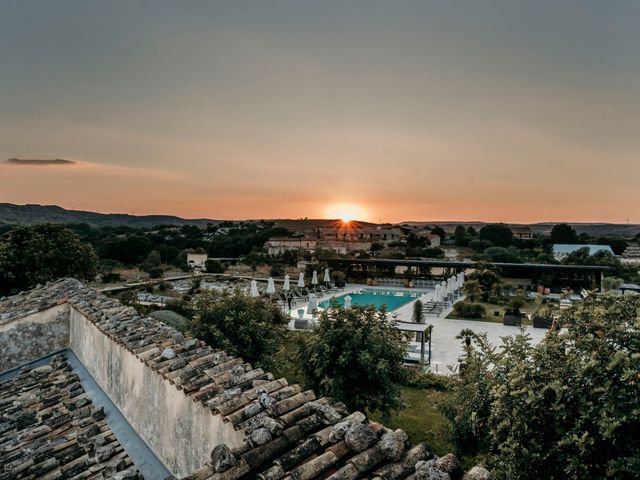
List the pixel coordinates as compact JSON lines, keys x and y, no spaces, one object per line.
{"x":40,"y":253}
{"x":251,"y":328}
{"x":565,"y":408}
{"x":356,"y":356}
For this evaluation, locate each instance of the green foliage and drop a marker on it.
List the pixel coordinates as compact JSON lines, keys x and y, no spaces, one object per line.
{"x":488,"y":281}
{"x":40,"y":253}
{"x":473,"y":289}
{"x":563,"y":233}
{"x":505,"y":255}
{"x":439,"y":231}
{"x":338,"y":278}
{"x":171,"y":318}
{"x":355,"y":356}
{"x":152,"y":262}
{"x":461,"y":236}
{"x":468,"y":310}
{"x":214,"y":266}
{"x":498,"y":234}
{"x":251,"y":328}
{"x":418,"y":313}
{"x":612,"y":283}
{"x":417,"y":378}
{"x":568,"y":407}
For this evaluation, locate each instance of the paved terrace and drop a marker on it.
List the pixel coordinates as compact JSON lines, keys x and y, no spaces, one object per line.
{"x":445,"y":348}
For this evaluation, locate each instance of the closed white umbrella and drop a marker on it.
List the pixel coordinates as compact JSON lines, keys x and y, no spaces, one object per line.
{"x":254,"y":289}
{"x":314,"y":278}
{"x":313,"y":303}
{"x":444,"y":288}
{"x":327,"y":277}
{"x":454,"y":284}
{"x":347,"y":301}
{"x":286,"y":285}
{"x":301,"y":280}
{"x":436,"y":294}
{"x":271,"y":286}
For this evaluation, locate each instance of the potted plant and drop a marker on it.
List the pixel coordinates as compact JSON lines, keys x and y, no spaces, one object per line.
{"x":408,"y":278}
{"x":542,"y":317}
{"x":512,"y":314}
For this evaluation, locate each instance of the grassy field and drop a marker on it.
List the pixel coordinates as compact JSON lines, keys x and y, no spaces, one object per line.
{"x":420,"y":418}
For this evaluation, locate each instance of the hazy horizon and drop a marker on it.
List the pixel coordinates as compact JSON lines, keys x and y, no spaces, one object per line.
{"x":468,"y":111}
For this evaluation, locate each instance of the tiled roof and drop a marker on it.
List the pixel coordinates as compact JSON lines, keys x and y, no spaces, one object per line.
{"x":49,"y":429}
{"x":289,"y":433}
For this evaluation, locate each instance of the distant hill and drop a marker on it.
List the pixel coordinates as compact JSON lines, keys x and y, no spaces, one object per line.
{"x":30,"y":214}
{"x":593,"y":229}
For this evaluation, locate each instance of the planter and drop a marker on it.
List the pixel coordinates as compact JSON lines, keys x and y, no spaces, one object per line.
{"x":369,"y":281}
{"x":301,"y":324}
{"x":406,"y":283}
{"x":512,"y":320}
{"x":539,"y":322}
{"x":300,"y":312}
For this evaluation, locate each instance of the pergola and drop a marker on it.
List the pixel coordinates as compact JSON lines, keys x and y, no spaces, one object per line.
{"x":577,"y":276}
{"x":423,"y":329}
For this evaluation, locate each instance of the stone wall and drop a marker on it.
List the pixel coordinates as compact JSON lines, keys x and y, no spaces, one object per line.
{"x":34,"y":336}
{"x":181,"y":432}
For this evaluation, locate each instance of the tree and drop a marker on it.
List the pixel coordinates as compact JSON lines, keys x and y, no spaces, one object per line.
{"x":152,"y":262}
{"x":40,"y":253}
{"x":563,"y":233}
{"x":488,"y":279}
{"x":251,"y":328}
{"x":355,"y":356}
{"x":473,"y":289}
{"x":418,"y":313}
{"x":213,"y":266}
{"x":439,"y":231}
{"x":497,"y":233}
{"x":461,"y":236}
{"x":568,"y":407}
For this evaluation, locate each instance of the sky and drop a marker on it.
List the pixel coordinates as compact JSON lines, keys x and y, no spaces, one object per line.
{"x":514,"y":111}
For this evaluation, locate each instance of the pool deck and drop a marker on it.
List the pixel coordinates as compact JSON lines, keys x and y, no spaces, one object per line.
{"x":445,"y":348}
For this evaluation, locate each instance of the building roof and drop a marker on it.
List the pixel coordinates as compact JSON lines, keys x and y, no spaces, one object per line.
{"x":288,"y":432}
{"x":561,"y":248}
{"x":50,"y":429}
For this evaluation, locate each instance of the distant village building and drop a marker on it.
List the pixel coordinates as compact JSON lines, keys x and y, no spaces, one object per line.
{"x":631,"y":255}
{"x":343,"y":247}
{"x":522,"y":232}
{"x":355,"y":232}
{"x":279,"y":245}
{"x":561,"y":251}
{"x":197,"y":260}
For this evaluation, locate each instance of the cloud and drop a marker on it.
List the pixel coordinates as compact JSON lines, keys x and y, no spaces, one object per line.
{"x":37,"y":162}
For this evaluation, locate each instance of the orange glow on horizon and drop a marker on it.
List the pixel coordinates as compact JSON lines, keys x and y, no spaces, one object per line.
{"x":346,"y":212}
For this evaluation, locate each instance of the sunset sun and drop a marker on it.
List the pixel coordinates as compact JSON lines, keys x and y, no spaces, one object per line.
{"x":346,"y":212}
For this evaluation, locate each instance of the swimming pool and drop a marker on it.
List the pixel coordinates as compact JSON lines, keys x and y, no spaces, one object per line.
{"x":393,"y":299}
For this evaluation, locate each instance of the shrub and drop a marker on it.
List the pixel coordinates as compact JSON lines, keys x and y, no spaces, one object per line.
{"x":469,"y":310}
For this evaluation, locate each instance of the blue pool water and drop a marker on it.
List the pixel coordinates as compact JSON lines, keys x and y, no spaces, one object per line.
{"x":393,"y":299}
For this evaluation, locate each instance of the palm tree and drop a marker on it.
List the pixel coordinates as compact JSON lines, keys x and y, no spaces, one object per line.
{"x":467,"y":335}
